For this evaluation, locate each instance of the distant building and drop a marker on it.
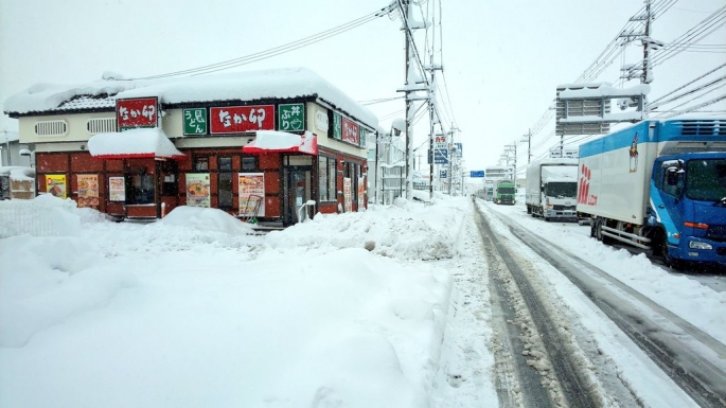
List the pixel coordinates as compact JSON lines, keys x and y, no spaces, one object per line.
{"x":274,"y":145}
{"x":11,"y":149}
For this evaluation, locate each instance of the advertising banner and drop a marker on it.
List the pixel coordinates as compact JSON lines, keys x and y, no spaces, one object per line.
{"x":361,"y":193}
{"x":198,"y":194}
{"x":137,"y":112}
{"x":351,"y":133}
{"x":251,"y":194}
{"x":116,"y":189}
{"x":348,"y":194}
{"x":88,"y":194}
{"x":238,"y":119}
{"x":56,"y":184}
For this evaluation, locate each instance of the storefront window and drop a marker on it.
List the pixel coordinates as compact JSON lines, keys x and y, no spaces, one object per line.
{"x":326,"y":178}
{"x":201,"y":163}
{"x":224,"y":187}
{"x":249,"y":163}
{"x":139,"y":189}
{"x":169,"y":185}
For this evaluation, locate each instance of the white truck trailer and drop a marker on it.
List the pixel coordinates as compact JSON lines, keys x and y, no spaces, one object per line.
{"x":551,"y":189}
{"x":659,"y":186}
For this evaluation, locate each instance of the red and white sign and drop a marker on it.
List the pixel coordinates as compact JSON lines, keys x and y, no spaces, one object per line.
{"x":238,"y":119}
{"x":137,"y":112}
{"x":351,"y":132}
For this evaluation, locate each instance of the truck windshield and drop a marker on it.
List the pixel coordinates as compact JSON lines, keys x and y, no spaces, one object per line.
{"x":561,"y":189}
{"x":505,"y":190}
{"x":706,"y":179}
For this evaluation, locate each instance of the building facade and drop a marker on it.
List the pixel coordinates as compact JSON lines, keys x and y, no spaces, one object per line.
{"x":272,"y":146}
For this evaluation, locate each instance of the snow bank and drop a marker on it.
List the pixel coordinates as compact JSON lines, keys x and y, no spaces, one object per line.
{"x":408,"y":230}
{"x":194,"y":311}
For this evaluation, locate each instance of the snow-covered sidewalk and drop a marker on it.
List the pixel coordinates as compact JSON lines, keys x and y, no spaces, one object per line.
{"x":192,"y":311}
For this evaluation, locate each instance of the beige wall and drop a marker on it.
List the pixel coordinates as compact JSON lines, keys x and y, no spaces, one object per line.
{"x":77,"y":133}
{"x":314,"y":125}
{"x":77,"y":130}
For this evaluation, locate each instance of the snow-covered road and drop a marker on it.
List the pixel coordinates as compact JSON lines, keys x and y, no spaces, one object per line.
{"x":675,"y":344}
{"x":392,"y":307}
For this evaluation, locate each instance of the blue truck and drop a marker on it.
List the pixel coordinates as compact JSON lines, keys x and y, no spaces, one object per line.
{"x":659,"y":186}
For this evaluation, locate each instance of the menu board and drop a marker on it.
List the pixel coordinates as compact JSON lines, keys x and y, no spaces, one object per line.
{"x":116,"y":189}
{"x":198,"y":194}
{"x":56,"y":184}
{"x":251,"y":194}
{"x":88,"y":190}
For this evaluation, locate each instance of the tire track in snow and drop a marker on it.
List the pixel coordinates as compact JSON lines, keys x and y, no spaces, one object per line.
{"x":690,"y":357}
{"x":540,"y":356}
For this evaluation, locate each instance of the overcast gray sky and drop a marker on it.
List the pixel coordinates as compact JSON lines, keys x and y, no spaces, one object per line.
{"x":502,"y":58}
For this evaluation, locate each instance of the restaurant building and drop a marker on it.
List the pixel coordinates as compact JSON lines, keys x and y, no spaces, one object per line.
{"x":273,"y":146}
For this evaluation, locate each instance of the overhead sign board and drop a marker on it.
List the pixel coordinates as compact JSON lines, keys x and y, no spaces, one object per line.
{"x":238,"y":119}
{"x":440,"y":156}
{"x":477,"y":173}
{"x":351,"y":132}
{"x":137,"y":112}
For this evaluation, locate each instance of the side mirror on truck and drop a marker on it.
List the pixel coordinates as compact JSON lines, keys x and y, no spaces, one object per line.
{"x":675,"y":178}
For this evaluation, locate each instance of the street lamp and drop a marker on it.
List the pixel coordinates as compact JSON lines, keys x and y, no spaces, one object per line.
{"x":397,"y":126}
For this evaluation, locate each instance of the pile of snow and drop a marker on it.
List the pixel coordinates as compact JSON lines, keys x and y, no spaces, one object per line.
{"x":193,"y":310}
{"x":406,"y":230}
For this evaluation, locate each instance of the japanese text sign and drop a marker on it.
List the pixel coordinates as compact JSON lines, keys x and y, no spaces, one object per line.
{"x":237,"y":119}
{"x":137,"y":112}
{"x":351,"y":133}
{"x":291,"y":117}
{"x":195,"y":121}
{"x":337,"y":132}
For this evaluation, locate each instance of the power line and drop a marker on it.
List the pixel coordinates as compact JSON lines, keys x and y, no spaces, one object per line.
{"x":281,"y":49}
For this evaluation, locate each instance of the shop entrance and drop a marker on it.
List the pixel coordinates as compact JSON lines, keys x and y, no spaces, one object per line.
{"x":296,"y":192}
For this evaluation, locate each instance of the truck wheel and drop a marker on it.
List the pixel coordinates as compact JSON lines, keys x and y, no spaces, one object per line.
{"x":667,"y":259}
{"x":600,"y":236}
{"x":547,"y":219}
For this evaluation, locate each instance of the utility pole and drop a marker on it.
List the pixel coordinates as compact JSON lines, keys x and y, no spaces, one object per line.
{"x":450,"y":157}
{"x":645,"y":77}
{"x":528,"y":138}
{"x":405,"y":10}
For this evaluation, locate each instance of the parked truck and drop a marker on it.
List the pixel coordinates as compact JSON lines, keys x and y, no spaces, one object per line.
{"x":551,"y":189}
{"x":660,"y":186}
{"x":504,"y":192}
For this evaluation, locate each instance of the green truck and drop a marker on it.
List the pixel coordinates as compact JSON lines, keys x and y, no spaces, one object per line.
{"x":504,"y":192}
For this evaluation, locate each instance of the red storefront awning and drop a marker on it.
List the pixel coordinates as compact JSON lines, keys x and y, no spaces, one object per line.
{"x":270,"y":141}
{"x":133,"y":143}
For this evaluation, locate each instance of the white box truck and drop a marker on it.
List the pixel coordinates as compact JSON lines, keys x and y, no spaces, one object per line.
{"x":551,"y":188}
{"x":660,"y":186}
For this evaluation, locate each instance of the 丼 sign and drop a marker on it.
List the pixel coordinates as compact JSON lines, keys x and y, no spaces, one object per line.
{"x":291,"y":117}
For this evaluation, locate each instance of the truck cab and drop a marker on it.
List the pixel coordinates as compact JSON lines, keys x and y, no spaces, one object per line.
{"x":558,"y":198}
{"x":504,"y":192}
{"x":688,"y":206}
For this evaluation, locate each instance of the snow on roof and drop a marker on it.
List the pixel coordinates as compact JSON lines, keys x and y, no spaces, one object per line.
{"x":608,"y":117}
{"x":142,"y":142}
{"x":252,"y":85}
{"x":9,"y":136}
{"x":18,"y":172}
{"x":275,"y":141}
